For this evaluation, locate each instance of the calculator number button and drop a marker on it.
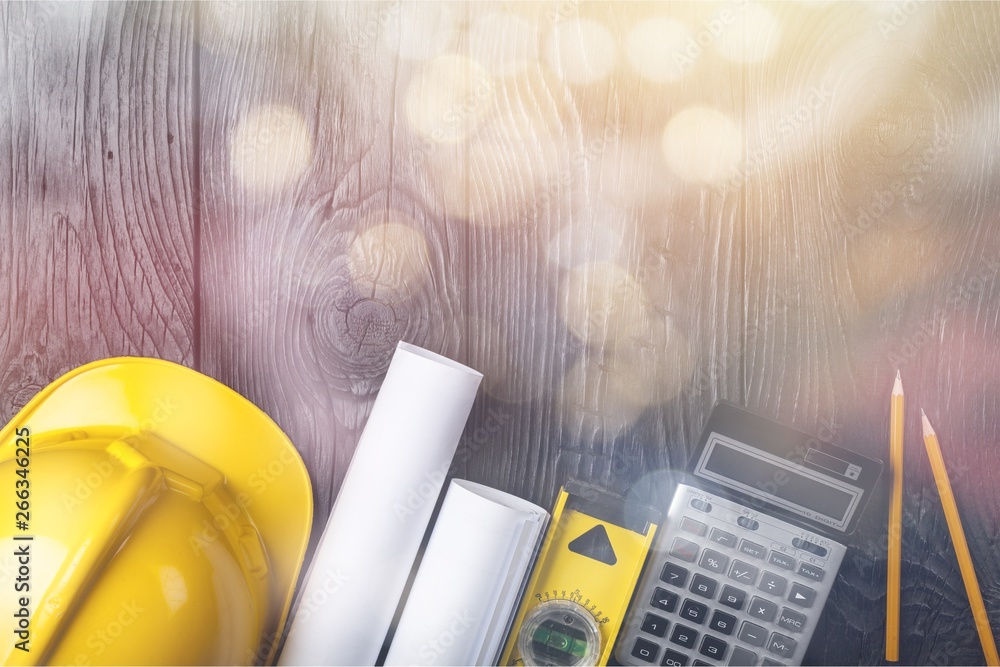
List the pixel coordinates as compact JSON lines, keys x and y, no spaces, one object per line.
{"x":742,"y":657}
{"x":674,"y":659}
{"x":811,"y":572}
{"x":645,"y":650}
{"x":684,"y":636}
{"x":723,"y":538}
{"x":713,"y":647}
{"x":752,"y":634}
{"x":781,"y":645}
{"x":723,"y":622}
{"x":663,"y":599}
{"x":781,"y":560}
{"x":655,"y":625}
{"x":751,"y":548}
{"x":732,"y":597}
{"x":802,"y":595}
{"x":684,"y":550}
{"x":713,"y":560}
{"x":763,"y":609}
{"x":694,"y":527}
{"x":772,"y":583}
{"x":674,"y":574}
{"x":791,"y":620}
{"x":703,"y":586}
{"x":694,"y":611}
{"x":743,"y":572}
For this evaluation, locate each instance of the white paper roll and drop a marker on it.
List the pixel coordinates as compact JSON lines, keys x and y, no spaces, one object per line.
{"x":380,"y":516}
{"x":470,"y":580}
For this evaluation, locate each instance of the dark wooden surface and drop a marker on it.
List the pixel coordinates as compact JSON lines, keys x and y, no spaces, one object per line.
{"x":275,"y":194}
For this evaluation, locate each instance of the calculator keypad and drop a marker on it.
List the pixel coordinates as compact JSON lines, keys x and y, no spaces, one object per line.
{"x":728,"y":586}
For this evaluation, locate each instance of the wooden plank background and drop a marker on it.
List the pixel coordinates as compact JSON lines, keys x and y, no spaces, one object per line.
{"x":620,"y":213}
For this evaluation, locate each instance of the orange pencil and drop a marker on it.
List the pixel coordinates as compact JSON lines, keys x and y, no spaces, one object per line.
{"x":895,"y":522}
{"x":961,"y":546}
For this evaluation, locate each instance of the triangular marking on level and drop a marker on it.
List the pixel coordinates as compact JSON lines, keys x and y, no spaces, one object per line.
{"x":595,"y":544}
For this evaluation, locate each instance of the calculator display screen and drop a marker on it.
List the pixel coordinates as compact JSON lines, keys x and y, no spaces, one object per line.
{"x":780,"y":481}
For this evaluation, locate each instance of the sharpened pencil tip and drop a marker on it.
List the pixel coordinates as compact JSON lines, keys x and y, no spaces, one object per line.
{"x":897,"y":386}
{"x":897,"y":373}
{"x":928,"y":429}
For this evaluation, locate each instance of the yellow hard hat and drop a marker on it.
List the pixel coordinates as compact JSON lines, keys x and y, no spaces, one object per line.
{"x":153,"y":516}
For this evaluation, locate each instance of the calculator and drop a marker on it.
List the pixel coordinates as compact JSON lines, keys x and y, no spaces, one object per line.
{"x":749,"y":549}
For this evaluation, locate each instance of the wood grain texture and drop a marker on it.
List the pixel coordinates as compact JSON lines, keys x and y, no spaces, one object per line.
{"x":875,"y":221}
{"x":600,"y":281}
{"x":96,"y":191}
{"x":276,"y":193}
{"x":301,"y":307}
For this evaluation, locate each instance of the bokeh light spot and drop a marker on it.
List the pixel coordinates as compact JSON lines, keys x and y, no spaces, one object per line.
{"x":449,"y":99}
{"x":752,"y":37}
{"x":271,"y":148}
{"x":419,"y":30}
{"x":702,"y":145}
{"x":505,"y":44}
{"x":390,"y":254}
{"x":581,"y":51}
{"x":657,"y":49}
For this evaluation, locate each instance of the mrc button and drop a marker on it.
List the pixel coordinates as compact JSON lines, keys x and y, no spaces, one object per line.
{"x":791,"y":620}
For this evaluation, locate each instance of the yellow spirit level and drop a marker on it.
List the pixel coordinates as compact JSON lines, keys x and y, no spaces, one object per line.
{"x":583,"y":580}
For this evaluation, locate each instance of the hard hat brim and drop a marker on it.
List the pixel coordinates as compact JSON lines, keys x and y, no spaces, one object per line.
{"x":263,"y":471}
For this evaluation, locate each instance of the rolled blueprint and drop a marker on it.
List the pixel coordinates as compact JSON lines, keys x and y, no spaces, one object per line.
{"x":470,"y":580}
{"x":367,"y":551}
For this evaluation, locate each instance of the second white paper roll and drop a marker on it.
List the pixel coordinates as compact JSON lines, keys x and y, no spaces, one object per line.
{"x":366,"y":553}
{"x":470,"y":580}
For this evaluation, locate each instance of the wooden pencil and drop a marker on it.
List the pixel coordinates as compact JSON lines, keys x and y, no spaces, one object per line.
{"x":895,"y":521}
{"x":961,"y":546}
